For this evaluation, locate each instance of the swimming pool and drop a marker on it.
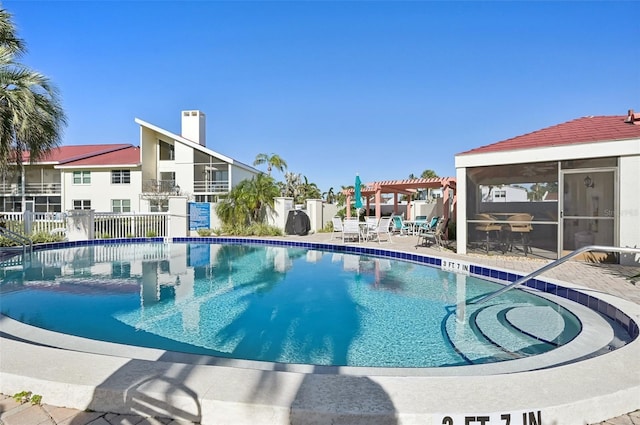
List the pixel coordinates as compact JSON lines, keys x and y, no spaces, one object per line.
{"x":204,"y":389}
{"x":281,"y":304}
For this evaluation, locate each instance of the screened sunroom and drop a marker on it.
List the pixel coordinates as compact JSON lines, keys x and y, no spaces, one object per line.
{"x":550,"y":192}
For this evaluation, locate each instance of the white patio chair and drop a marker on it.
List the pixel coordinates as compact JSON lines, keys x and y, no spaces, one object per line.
{"x":383,"y":229}
{"x":370,"y":225}
{"x":337,"y":228}
{"x":351,"y":230}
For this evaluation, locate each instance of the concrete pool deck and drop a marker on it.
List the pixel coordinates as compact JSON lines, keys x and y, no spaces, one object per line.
{"x":589,"y":391}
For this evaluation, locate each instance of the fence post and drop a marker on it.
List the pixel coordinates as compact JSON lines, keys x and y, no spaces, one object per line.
{"x":28,"y":218}
{"x":179,"y":216}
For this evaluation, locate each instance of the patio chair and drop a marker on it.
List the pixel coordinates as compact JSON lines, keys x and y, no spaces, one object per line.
{"x":370,"y":225}
{"x":400,"y":227}
{"x":428,"y":225}
{"x":337,"y":228}
{"x":351,"y":230}
{"x":520,"y":226}
{"x":435,"y":235}
{"x":492,"y":232}
{"x":383,"y":229}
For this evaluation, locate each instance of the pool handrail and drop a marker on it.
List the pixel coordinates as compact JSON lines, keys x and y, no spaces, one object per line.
{"x":17,"y":237}
{"x":553,"y":264}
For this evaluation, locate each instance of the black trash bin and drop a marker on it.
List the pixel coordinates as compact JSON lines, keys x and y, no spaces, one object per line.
{"x":298,"y":223}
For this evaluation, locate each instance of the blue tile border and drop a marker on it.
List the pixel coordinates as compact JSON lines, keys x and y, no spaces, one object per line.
{"x":479,"y":271}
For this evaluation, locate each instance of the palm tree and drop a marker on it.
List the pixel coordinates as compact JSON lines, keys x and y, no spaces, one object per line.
{"x":329,"y":196}
{"x":247,"y":202}
{"x":31,"y":115}
{"x":272,"y":161}
{"x":262,"y":190}
{"x":307,"y":190}
{"x":428,"y":174}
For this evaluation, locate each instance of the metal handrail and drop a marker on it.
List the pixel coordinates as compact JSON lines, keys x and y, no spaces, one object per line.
{"x":554,"y":264}
{"x":17,"y":237}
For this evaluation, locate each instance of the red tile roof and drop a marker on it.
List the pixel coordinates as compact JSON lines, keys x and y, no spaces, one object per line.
{"x":106,"y":154}
{"x":581,"y":130}
{"x":66,"y":153}
{"x":129,"y":155}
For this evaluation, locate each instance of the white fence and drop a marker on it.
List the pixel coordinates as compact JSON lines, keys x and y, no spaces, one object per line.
{"x":39,"y":222}
{"x":106,"y":224}
{"x":130,"y":225}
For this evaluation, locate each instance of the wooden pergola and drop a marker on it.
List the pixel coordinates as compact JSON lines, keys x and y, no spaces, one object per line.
{"x":374,"y":191}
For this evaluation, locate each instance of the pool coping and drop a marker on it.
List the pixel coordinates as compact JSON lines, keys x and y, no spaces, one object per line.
{"x":589,"y":391}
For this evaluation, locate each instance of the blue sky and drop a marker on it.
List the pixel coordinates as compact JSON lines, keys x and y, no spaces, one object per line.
{"x":383,"y":89}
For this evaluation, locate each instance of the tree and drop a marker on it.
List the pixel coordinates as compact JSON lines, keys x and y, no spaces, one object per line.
{"x":272,"y":161}
{"x":31,"y":115}
{"x":248,"y":201}
{"x":428,"y":174}
{"x":330,"y":196}
{"x":289,"y":187}
{"x":307,"y":190}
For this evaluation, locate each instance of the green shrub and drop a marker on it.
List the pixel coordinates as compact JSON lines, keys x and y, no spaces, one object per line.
{"x":204,"y":232}
{"x":38,"y":237}
{"x":46,"y":237}
{"x":151,"y":233}
{"x":328,"y":228}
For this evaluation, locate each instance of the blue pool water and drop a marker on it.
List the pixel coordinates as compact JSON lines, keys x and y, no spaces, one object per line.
{"x":279,"y":304}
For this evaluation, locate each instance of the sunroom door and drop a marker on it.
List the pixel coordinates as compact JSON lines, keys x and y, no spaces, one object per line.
{"x":588,"y":208}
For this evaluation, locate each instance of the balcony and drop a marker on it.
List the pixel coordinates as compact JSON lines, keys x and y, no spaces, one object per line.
{"x":39,"y":188}
{"x":213,"y":187}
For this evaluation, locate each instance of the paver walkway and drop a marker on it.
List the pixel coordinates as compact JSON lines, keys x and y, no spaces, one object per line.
{"x":613,"y":279}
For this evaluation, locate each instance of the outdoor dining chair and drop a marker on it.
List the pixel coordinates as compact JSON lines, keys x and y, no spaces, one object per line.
{"x":370,"y":225}
{"x":383,"y":229}
{"x":337,"y":227}
{"x":351,"y":230}
{"x":519,"y":229}
{"x":400,"y":227}
{"x":491,"y":231}
{"x":435,"y":235}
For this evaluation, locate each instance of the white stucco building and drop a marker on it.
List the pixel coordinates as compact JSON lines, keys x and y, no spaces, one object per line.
{"x":587,"y":175}
{"x":124,"y":177}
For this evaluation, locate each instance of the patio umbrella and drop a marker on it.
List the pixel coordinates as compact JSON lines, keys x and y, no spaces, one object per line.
{"x":357,"y":194}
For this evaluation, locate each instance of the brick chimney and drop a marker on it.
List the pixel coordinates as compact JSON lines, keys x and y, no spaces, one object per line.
{"x":193,"y":126}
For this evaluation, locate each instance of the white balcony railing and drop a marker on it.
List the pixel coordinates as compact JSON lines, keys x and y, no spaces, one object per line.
{"x":208,"y":186}
{"x":30,"y":188}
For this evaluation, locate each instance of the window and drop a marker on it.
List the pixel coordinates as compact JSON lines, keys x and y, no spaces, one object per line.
{"x":82,"y":177}
{"x":81,"y":204}
{"x":500,"y":194}
{"x":121,"y":205}
{"x":120,"y":176}
{"x":47,"y":204}
{"x":167,"y":152}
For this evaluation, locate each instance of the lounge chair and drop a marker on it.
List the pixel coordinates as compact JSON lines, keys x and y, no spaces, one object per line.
{"x":371,"y":224}
{"x":383,"y":229}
